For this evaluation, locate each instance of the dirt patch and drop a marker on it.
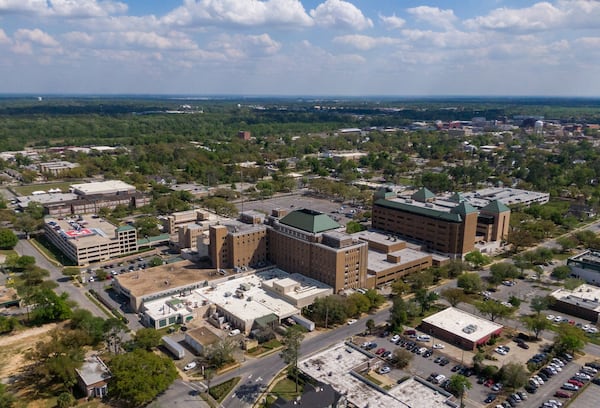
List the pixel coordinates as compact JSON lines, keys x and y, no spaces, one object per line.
{"x":14,"y":347}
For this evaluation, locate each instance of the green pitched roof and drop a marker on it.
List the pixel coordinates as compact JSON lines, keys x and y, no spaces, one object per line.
{"x":423,"y":195}
{"x":424,"y":211}
{"x":309,"y":221}
{"x":457,"y":198}
{"x":463,"y":208}
{"x":495,"y":207}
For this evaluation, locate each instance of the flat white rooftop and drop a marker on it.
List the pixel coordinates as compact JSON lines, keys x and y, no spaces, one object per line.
{"x":377,"y":261}
{"x":333,"y":366}
{"x":456,"y":321}
{"x":584,"y":296}
{"x":46,"y":198}
{"x":305,"y":286}
{"x":102,"y":187}
{"x":255,"y":302}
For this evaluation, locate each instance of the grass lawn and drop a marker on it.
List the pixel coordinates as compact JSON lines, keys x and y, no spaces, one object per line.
{"x":220,"y":391}
{"x":28,"y":189}
{"x":286,"y":389}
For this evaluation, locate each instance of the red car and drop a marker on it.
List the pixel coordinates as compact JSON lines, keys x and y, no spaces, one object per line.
{"x":380,"y":351}
{"x":575,"y":382}
{"x":488,"y":383}
{"x":562,"y":394}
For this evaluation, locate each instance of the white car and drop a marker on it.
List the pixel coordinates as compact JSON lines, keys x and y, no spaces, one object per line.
{"x":556,"y":367}
{"x":555,"y":402}
{"x":91,"y":279}
{"x":591,"y":330}
{"x":550,"y":317}
{"x":190,"y":366}
{"x":424,"y":337}
{"x":557,"y":319}
{"x":395,"y":338}
{"x":351,"y":321}
{"x":538,"y":379}
{"x":438,"y":346}
{"x":384,"y":370}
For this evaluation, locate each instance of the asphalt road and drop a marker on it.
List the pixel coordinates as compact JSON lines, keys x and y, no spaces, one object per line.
{"x":65,"y":285}
{"x":256,"y":374}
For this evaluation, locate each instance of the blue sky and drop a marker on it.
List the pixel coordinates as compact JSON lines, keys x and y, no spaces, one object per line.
{"x":301,"y":47}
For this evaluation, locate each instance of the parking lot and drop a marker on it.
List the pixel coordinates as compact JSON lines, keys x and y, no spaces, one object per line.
{"x":446,"y":362}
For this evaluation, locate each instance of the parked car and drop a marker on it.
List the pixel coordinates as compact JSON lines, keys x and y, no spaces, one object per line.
{"x":569,"y":387}
{"x":490,"y":398}
{"x":384,"y":370}
{"x":523,"y":345}
{"x":438,"y":346}
{"x":424,"y":337}
{"x":562,"y":394}
{"x":190,"y":366}
{"x":380,"y":350}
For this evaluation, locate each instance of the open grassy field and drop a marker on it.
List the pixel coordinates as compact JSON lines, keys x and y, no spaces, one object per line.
{"x":27,"y":190}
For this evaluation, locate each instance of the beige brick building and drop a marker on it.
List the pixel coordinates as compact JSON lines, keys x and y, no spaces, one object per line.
{"x":449,"y":226}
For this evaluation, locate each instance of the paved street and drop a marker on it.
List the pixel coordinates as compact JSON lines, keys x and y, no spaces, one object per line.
{"x":65,"y":285}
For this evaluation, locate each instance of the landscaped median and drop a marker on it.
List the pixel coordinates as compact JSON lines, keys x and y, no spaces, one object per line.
{"x":220,"y":391}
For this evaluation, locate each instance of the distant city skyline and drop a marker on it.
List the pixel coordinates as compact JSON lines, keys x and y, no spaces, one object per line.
{"x":301,"y":47}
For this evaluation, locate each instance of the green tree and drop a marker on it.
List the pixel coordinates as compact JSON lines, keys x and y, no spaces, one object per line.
{"x":566,"y":244}
{"x":401,"y":357}
{"x":291,"y":349}
{"x":513,"y":375}
{"x":540,"y":303}
{"x":147,"y":338}
{"x":49,"y":307}
{"x":92,"y":327}
{"x":357,"y":304}
{"x":398,"y":314}
{"x":493,"y":310}
{"x":399,"y":287}
{"x":421,"y":280}
{"x":425,"y":299}
{"x":561,"y":272}
{"x":8,"y":239}
{"x":329,"y":310}
{"x":477,"y":259}
{"x":8,"y":324}
{"x":375,"y":299}
{"x":370,"y":325}
{"x":454,"y":296}
{"x":470,"y":282}
{"x":114,"y":330}
{"x":156,"y":261}
{"x":56,"y":359}
{"x":65,"y":400}
{"x":537,"y":324}
{"x":7,"y":400}
{"x":147,"y":226}
{"x":221,"y":352}
{"x":139,"y":376}
{"x":354,"y":227}
{"x":503,"y":271}
{"x":569,"y":338}
{"x":459,"y":385}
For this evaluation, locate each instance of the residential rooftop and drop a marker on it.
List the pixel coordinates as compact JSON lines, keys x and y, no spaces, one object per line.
{"x":463,"y":324}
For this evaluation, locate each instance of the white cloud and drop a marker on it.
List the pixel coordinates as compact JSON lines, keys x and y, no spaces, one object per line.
{"x":3,"y":37}
{"x":22,"y":6}
{"x":242,"y":46}
{"x":86,"y":8}
{"x":78,"y":37}
{"x":340,"y":14}
{"x":434,"y":16}
{"x":542,"y":16}
{"x":392,"y":22}
{"x":446,"y":39}
{"x":239,"y":12}
{"x":63,"y":8}
{"x":365,"y":42}
{"x":36,"y":36}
